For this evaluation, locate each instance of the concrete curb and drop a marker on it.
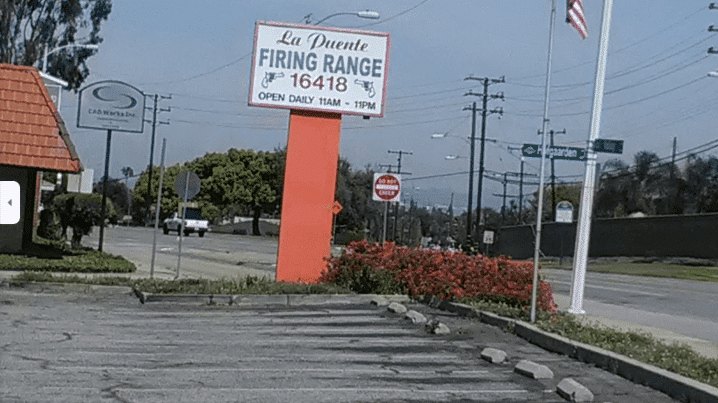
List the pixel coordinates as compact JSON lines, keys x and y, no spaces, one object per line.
{"x":41,"y":287}
{"x":262,"y":300}
{"x":672,"y":384}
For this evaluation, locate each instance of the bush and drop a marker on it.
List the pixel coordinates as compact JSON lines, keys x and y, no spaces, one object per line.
{"x":81,"y":212}
{"x":373,"y":268}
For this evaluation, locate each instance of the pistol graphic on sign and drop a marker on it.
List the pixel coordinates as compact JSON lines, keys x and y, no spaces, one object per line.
{"x":367,"y":85}
{"x":269,"y":77}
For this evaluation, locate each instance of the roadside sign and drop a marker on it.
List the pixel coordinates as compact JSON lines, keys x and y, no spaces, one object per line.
{"x":555,"y":152}
{"x":111,"y":105}
{"x":187,"y":180}
{"x":488,"y":237}
{"x":387,"y":187}
{"x":317,"y":68}
{"x":564,"y":212}
{"x":608,"y":146}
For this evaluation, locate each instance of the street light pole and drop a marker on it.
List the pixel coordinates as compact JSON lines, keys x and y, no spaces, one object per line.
{"x":72,"y":45}
{"x":368,"y":14}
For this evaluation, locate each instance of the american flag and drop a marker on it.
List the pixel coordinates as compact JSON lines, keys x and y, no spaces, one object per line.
{"x":576,"y":18}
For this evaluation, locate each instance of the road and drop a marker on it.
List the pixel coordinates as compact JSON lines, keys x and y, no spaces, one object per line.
{"x":214,"y":256}
{"x":681,"y":306}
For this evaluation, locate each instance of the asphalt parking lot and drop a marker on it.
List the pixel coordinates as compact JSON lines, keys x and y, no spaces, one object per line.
{"x":105,"y":346}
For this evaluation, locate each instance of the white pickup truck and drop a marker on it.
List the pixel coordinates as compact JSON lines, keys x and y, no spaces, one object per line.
{"x":193,"y":223}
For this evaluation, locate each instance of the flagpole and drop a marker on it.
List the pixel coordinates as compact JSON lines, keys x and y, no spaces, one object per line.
{"x":586,"y":205}
{"x":539,"y":213}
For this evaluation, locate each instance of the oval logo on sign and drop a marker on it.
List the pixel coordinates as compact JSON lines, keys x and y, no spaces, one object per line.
{"x":114,"y":95}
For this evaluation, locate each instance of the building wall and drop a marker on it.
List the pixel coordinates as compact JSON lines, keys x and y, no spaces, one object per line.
{"x":680,"y":236}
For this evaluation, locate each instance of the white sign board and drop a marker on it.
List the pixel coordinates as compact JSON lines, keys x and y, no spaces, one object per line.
{"x":387,"y":187}
{"x":488,"y":237}
{"x":111,"y":105}
{"x":564,"y":212}
{"x":9,"y":202}
{"x":317,"y":68}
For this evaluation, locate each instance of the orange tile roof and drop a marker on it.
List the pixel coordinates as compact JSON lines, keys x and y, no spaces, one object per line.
{"x":32,"y":133}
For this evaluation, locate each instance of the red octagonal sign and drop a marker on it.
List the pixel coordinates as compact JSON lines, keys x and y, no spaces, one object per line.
{"x":387,"y":187}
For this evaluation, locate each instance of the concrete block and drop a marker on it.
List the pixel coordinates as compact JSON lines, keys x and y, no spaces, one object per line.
{"x":379,"y":301}
{"x":436,"y":327}
{"x":573,"y":391}
{"x":396,"y":308}
{"x":496,"y":320}
{"x":493,"y":355}
{"x":415,"y":317}
{"x":533,"y":370}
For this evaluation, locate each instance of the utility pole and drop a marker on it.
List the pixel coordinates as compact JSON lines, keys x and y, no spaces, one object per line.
{"x":521,"y":189}
{"x":398,"y":171}
{"x":469,"y":227}
{"x":484,"y":113}
{"x":148,"y":201}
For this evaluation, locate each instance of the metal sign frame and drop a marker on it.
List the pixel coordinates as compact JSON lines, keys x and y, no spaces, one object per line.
{"x":314,"y":68}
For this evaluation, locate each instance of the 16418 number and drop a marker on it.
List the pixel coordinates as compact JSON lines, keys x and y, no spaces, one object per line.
{"x":332,"y":83}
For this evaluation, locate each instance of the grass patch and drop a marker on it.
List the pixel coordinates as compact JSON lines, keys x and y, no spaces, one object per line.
{"x":55,"y":256}
{"x":240,"y":286}
{"x":647,"y":269}
{"x":677,"y":358}
{"x":81,"y":261}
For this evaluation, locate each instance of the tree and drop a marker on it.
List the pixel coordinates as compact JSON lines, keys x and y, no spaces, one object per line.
{"x":244,"y":177}
{"x":117,"y":192}
{"x":28,"y":28}
{"x":701,"y":184}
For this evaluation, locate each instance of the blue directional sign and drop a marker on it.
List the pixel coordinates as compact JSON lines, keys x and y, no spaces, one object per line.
{"x":555,"y":152}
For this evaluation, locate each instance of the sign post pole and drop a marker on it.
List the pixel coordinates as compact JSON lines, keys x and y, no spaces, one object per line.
{"x":181,"y":227}
{"x":386,"y":222}
{"x":104,"y":189}
{"x":157,"y":210}
{"x":308,"y":195}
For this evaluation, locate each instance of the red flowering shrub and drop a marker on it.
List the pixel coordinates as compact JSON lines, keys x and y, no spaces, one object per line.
{"x":372,"y":268}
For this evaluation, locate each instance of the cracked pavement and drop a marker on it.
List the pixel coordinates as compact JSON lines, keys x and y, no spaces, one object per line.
{"x":107,"y":347}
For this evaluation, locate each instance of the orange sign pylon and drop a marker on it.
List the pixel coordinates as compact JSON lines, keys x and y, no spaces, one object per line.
{"x":308,"y":198}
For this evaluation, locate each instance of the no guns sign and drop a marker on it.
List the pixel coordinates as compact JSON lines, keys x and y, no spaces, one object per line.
{"x":387,"y":187}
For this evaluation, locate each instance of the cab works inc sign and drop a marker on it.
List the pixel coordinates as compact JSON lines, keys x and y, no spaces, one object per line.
{"x":111,"y":105}
{"x":317,"y":68}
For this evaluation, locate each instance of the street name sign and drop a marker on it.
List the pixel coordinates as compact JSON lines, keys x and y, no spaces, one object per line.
{"x":387,"y":187}
{"x":555,"y":152}
{"x":608,"y":146}
{"x":317,"y":68}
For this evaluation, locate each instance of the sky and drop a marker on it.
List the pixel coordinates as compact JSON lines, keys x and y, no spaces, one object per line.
{"x":198,"y":60}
